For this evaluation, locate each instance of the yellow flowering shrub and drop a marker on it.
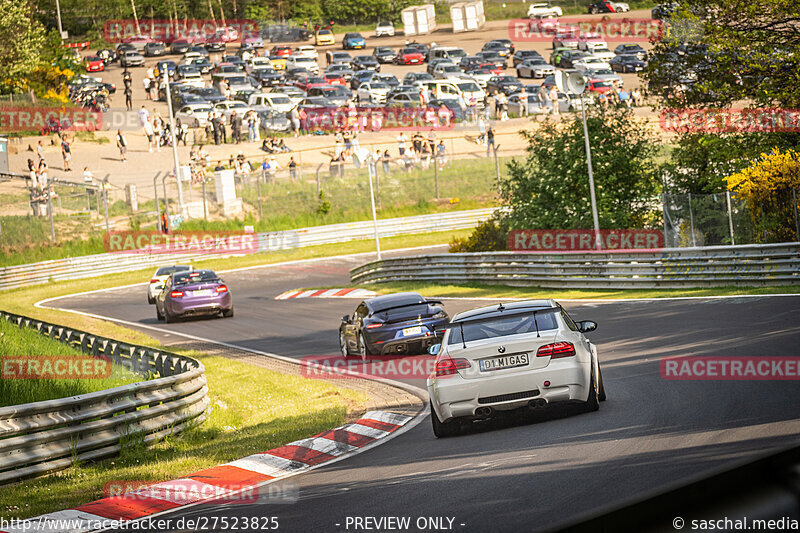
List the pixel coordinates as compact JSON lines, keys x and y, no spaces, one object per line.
{"x":771,"y":186}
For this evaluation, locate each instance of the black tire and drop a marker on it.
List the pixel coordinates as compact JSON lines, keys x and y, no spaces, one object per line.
{"x":227,"y":313}
{"x":345,"y":351}
{"x":150,"y":300}
{"x":159,"y":316}
{"x":593,"y":401}
{"x":363,"y":348}
{"x":442,"y":430}
{"x":168,"y":318}
{"x":601,"y":394}
{"x":593,"y":11}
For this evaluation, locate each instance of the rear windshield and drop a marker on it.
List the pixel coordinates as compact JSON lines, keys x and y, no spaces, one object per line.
{"x":195,"y":277}
{"x":165,"y":271}
{"x":400,"y":312}
{"x":503,"y":326}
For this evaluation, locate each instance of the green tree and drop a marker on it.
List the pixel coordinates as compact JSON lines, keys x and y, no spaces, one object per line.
{"x":22,"y":39}
{"x":550,"y":189}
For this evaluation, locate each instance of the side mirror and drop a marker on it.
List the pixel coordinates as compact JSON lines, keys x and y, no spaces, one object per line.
{"x":434,"y":349}
{"x":346,"y":319}
{"x":586,"y":326}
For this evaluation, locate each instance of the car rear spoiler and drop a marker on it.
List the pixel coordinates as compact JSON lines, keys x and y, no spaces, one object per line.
{"x":429,"y":302}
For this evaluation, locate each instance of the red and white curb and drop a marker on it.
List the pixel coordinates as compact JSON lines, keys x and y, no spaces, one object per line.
{"x":210,"y":485}
{"x":326,"y":293}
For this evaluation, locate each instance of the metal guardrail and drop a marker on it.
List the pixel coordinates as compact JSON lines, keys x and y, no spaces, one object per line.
{"x":42,"y":437}
{"x":670,"y":268}
{"x":100,"y":264}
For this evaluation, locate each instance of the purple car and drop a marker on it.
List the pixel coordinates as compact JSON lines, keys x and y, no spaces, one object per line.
{"x":198,"y":292}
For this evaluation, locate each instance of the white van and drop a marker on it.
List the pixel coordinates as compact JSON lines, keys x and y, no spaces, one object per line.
{"x":276,"y":101}
{"x":453,"y":53}
{"x":453,"y":88}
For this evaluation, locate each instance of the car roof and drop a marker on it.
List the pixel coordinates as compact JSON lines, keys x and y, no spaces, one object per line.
{"x":489,"y":311}
{"x":386,"y":301}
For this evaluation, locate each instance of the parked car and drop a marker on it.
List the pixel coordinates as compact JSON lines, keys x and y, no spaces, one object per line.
{"x":631,"y":48}
{"x":199,"y":292}
{"x":366,"y":63}
{"x":627,"y":63}
{"x":384,"y":54}
{"x":215,"y":43}
{"x":302,"y":62}
{"x":491,"y":56}
{"x":566,"y":39}
{"x":179,"y":46}
{"x":353,"y":41}
{"x":400,"y":323}
{"x":280,"y":51}
{"x":515,"y":105}
{"x":333,"y":57}
{"x":403,"y":99}
{"x":131,"y":58}
{"x":544,"y":8}
{"x":590,"y":41}
{"x":227,"y":107}
{"x":94,"y":64}
{"x":154,"y":49}
{"x":409,"y":56}
{"x":608,"y":7}
{"x":413,"y":77}
{"x":588,"y":64}
{"x":384,"y":29}
{"x":324,"y":37}
{"x":374,"y":92}
{"x":342,"y":69}
{"x":607,"y":74}
{"x":535,"y":68}
{"x":603,"y":53}
{"x":194,"y":115}
{"x":497,"y":47}
{"x":306,"y":51}
{"x":209,"y":94}
{"x":568,"y":59}
{"x":507,"y":85}
{"x":524,"y":55}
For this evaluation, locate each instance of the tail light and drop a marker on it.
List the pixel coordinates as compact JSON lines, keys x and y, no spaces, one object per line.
{"x":373,"y":326}
{"x":175,"y":294}
{"x":222,"y":288}
{"x":449,"y":366}
{"x":556,"y":350}
{"x":154,"y":280}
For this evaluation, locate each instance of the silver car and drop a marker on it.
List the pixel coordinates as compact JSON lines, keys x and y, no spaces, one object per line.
{"x":535,"y":68}
{"x":527,"y":354}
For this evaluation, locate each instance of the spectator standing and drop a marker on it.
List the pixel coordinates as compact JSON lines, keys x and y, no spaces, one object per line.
{"x":122,"y":144}
{"x":481,"y":130}
{"x":544,"y":98}
{"x":503,"y":99}
{"x":489,"y":141}
{"x":148,"y":132}
{"x":292,"y":168}
{"x":66,"y":153}
{"x":402,"y":139}
{"x":236,"y":127}
{"x":441,"y":154}
{"x":303,"y":116}
{"x":554,"y":99}
{"x":146,"y":82}
{"x":294,"y":115}
{"x":523,"y":103}
{"x":386,"y":160}
{"x":40,"y":150}
{"x":128,"y":97}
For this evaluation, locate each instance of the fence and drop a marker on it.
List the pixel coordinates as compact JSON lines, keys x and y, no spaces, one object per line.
{"x":674,"y":268}
{"x":42,"y":437}
{"x":100,"y":264}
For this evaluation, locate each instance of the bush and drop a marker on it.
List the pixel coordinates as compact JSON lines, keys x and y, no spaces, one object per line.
{"x":489,"y":236}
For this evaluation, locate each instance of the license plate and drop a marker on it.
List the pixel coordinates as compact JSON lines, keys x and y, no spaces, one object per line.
{"x":416,"y":330}
{"x":506,"y":361}
{"x":203,"y":292}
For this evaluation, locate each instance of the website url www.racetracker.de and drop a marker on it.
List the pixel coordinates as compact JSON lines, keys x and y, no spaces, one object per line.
{"x":200,"y":523}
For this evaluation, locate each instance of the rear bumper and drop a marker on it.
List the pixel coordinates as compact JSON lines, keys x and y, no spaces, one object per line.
{"x":411,"y":345}
{"x":454,"y":396}
{"x":200,"y":307}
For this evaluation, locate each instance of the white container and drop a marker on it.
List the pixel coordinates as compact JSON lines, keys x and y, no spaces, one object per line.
{"x":418,"y":20}
{"x":467,"y":16}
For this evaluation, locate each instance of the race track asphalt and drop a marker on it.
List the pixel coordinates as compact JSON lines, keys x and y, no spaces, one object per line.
{"x":532,"y":473}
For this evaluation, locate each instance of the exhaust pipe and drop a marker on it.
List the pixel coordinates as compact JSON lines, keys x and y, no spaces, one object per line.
{"x":538,"y":403}
{"x":483,"y":411}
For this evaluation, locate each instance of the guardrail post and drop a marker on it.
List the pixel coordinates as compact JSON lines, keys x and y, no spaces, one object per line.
{"x":796,"y":222}
{"x":730,"y":217}
{"x":691,"y":221}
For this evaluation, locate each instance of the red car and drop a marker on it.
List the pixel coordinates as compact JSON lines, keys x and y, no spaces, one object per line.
{"x":94,"y":64}
{"x":334,"y":78}
{"x":280,"y":51}
{"x":409,"y":56}
{"x":311,"y":81}
{"x":599,"y":86}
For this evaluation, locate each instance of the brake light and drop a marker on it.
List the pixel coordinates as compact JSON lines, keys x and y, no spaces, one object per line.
{"x":222,"y":288}
{"x":556,"y":350}
{"x":155,"y":280}
{"x":450,"y":366}
{"x":175,"y":294}
{"x":373,"y":326}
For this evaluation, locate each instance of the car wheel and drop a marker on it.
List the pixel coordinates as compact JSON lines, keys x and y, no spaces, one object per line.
{"x":227,"y":313}
{"x":168,"y":318}
{"x":150,"y":300}
{"x":593,"y":401}
{"x":593,"y":11}
{"x":444,"y":429}
{"x":159,"y":316}
{"x":363,"y":350}
{"x":343,"y":344}
{"x":601,"y":394}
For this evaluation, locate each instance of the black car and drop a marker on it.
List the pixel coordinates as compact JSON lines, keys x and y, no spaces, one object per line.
{"x":362,"y":76}
{"x":267,"y":77}
{"x":215,"y":45}
{"x":201,"y":64}
{"x":179,"y":46}
{"x":496,"y":46}
{"x":366,"y":63}
{"x":524,"y":55}
{"x":601,"y":7}
{"x":384,"y":54}
{"x":507,"y":43}
{"x":505,"y":84}
{"x":631,"y":49}
{"x":568,"y":58}
{"x":392,"y":324}
{"x":491,"y":56}
{"x":154,"y":49}
{"x":209,"y":94}
{"x":121,"y":49}
{"x":413,"y":77}
{"x":627,"y":63}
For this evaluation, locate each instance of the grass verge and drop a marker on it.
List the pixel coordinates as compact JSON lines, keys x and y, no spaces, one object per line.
{"x":16,"y":341}
{"x":504,"y":291}
{"x":248,"y":414}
